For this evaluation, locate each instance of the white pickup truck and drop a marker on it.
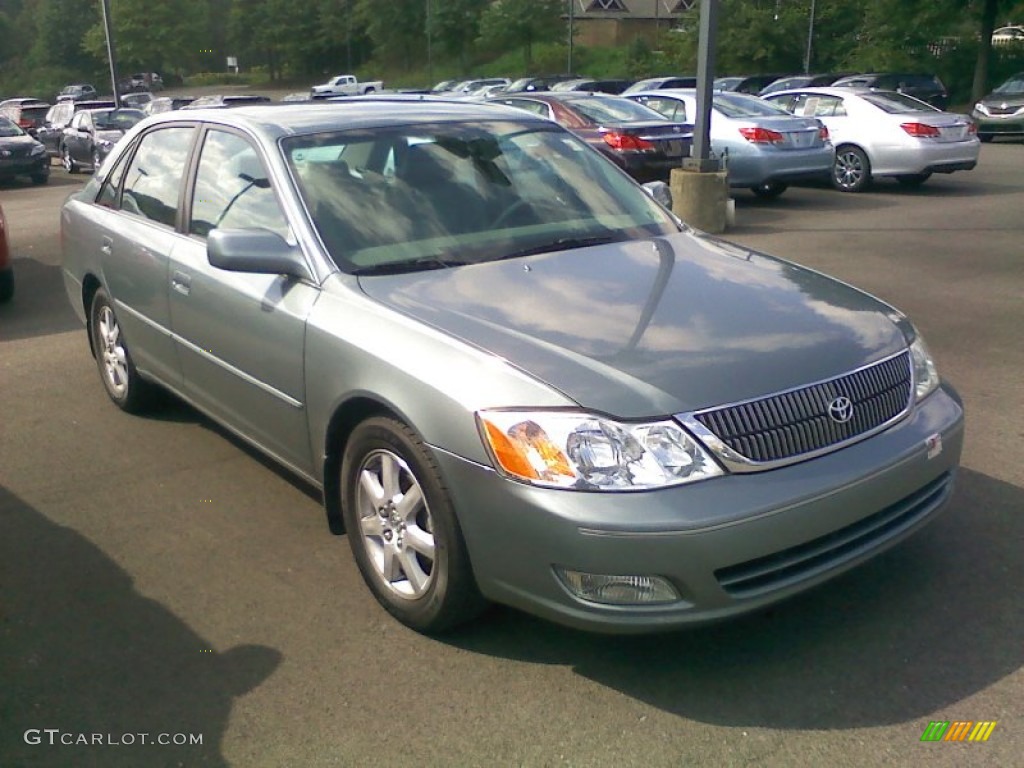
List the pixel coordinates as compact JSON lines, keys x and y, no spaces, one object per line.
{"x":345,"y":85}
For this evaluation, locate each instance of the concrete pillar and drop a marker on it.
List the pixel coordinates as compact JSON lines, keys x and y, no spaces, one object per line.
{"x":701,"y":198}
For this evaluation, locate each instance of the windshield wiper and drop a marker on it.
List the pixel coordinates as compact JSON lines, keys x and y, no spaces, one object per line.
{"x":420,"y":264}
{"x":561,"y":244}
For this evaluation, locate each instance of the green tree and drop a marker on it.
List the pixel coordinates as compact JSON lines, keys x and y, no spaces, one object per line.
{"x":522,"y":24}
{"x":454,"y":27}
{"x":397,"y":29}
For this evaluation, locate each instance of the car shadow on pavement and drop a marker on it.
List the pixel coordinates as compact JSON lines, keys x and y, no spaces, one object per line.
{"x":84,"y":653}
{"x":916,"y":631}
{"x":40,"y":305}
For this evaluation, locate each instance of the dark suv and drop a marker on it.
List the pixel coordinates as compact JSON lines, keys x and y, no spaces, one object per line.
{"x":51,"y":132}
{"x":924,"y":87}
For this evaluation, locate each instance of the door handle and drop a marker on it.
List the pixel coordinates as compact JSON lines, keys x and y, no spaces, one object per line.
{"x":182,"y":283}
{"x":106,"y":244}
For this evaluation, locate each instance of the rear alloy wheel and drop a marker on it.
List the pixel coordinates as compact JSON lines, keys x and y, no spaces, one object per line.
{"x":852,"y":170}
{"x":125,"y":387}
{"x":769,"y":189}
{"x":402,"y":528}
{"x":913,"y":179}
{"x":67,"y":160}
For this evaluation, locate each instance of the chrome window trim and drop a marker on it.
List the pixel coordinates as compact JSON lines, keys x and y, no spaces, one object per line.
{"x":737,"y":463}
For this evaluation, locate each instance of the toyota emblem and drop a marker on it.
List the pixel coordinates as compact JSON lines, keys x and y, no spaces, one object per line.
{"x":840,"y":410}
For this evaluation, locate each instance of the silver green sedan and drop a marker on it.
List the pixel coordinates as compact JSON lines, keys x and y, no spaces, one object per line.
{"x":514,"y":375}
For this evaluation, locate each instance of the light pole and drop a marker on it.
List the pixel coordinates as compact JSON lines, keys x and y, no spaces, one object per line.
{"x":572,"y":19}
{"x":810,"y":40}
{"x":110,"y":52}
{"x":430,"y":57}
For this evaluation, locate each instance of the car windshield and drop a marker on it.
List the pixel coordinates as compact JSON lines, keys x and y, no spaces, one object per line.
{"x":116,"y":119}
{"x":434,"y":195}
{"x":613,"y":109}
{"x":737,"y":105}
{"x":897,"y":103}
{"x":1014,"y":86}
{"x":9,"y":128}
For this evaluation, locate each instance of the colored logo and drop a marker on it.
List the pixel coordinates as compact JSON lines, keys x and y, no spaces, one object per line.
{"x":958,"y":730}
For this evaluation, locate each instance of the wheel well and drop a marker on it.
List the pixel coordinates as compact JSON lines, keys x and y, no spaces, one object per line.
{"x":89,"y":287}
{"x":345,"y":419}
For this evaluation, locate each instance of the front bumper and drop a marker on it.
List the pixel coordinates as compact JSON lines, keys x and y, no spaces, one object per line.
{"x":36,"y":165}
{"x":1002,"y":125}
{"x":728,"y":545}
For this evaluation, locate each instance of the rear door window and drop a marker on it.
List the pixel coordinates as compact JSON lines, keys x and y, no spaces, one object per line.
{"x":153,"y":182}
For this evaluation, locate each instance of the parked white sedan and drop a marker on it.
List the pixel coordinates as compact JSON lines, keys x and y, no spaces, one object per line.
{"x":883,"y":133}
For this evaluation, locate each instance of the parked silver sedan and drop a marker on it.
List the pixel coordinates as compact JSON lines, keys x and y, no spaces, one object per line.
{"x":514,"y":375}
{"x":884,"y":133}
{"x":765,"y":148}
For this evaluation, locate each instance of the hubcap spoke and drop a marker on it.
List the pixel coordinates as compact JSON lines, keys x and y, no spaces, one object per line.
{"x":421,"y":541}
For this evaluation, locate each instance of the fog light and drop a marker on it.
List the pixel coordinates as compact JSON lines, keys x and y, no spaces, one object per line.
{"x":618,"y":590}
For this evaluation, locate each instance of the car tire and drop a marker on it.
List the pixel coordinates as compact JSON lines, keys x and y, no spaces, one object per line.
{"x":6,"y":285}
{"x":67,"y":161}
{"x":402,"y":528}
{"x":852,"y":169}
{"x":912,"y":180}
{"x":40,"y":178}
{"x":129,"y":391}
{"x":985,"y":138}
{"x":769,"y":190}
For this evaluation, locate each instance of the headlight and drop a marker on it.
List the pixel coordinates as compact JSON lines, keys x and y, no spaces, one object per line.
{"x":979,"y":107}
{"x":39,"y":149}
{"x":926,"y":375}
{"x":585,"y":451}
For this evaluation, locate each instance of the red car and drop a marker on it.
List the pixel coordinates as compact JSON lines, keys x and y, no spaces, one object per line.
{"x":6,"y":272}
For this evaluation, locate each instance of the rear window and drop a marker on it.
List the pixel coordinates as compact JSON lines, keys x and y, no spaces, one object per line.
{"x":613,"y":110}
{"x":897,"y":103}
{"x":34,"y":113}
{"x":738,"y":106}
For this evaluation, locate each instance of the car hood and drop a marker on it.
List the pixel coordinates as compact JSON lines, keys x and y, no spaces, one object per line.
{"x":1009,"y":99}
{"x":17,"y":142}
{"x":653,"y":327}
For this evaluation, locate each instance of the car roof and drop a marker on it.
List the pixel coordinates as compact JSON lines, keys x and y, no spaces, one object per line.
{"x":829,"y":90}
{"x":279,"y":119}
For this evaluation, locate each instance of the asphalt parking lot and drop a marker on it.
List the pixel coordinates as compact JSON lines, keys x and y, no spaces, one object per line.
{"x":156,"y":577}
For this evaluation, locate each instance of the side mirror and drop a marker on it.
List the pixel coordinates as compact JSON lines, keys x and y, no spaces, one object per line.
{"x":255,"y":250}
{"x":660,"y":191}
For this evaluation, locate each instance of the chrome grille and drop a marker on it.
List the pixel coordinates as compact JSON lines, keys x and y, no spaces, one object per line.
{"x":788,"y":424}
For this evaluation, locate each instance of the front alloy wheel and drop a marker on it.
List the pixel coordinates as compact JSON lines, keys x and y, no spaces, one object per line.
{"x":67,"y":160}
{"x":123,"y":384}
{"x":852,"y":170}
{"x":402,"y":528}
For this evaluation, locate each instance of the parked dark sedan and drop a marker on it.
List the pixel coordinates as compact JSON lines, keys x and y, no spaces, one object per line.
{"x":614,"y":86}
{"x":21,"y":154}
{"x":642,"y":142}
{"x":59,"y":116}
{"x":751,"y":84}
{"x":1001,"y":113}
{"x":926,"y":87}
{"x":77,"y":92}
{"x":532,"y":84}
{"x":92,"y":134}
